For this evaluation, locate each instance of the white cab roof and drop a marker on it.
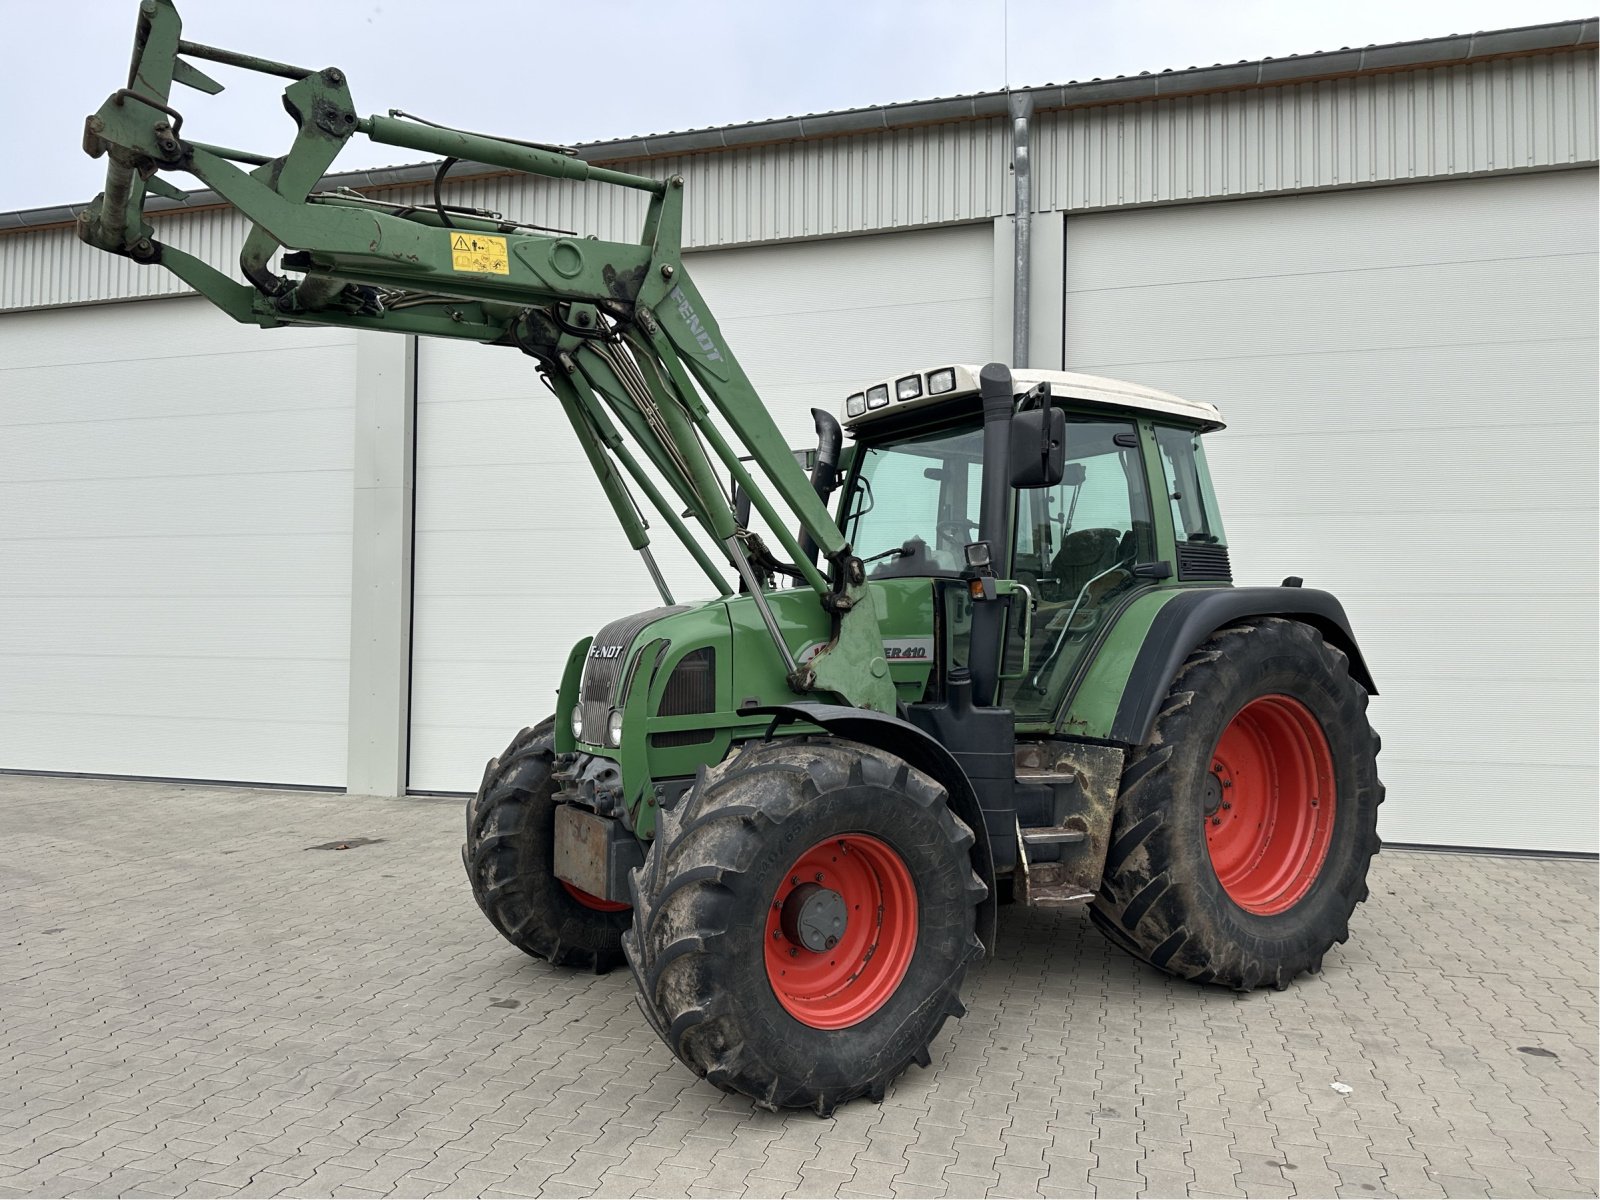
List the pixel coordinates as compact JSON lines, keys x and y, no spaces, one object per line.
{"x":1064,"y":386}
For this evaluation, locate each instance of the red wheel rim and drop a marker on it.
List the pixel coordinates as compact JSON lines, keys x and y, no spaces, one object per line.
{"x":1269,"y":814}
{"x":842,"y":985}
{"x":589,"y":900}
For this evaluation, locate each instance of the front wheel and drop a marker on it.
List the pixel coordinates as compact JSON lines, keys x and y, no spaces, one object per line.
{"x":1246,"y":824}
{"x":509,"y":855}
{"x":804,"y":921}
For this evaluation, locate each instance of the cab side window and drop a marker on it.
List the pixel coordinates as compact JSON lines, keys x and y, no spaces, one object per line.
{"x":1194,"y":508}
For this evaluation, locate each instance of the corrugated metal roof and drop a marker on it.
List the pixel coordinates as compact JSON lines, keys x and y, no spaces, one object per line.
{"x":1266,"y":72}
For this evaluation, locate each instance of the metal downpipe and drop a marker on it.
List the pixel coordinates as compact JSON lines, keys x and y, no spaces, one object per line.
{"x":1021,"y":224}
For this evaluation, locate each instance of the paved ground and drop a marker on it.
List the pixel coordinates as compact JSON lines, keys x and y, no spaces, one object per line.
{"x":195,"y":999}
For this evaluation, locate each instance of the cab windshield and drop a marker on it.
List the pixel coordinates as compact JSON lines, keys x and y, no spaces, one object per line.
{"x":915,"y":503}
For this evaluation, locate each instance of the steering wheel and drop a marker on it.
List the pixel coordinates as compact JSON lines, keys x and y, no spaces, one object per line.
{"x":956,"y":532}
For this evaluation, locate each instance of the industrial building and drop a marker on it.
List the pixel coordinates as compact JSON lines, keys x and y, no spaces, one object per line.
{"x":337,"y":560}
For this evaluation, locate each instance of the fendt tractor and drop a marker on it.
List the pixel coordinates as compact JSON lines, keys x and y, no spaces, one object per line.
{"x":986,"y":652}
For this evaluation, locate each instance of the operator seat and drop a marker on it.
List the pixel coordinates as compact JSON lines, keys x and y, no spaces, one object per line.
{"x":1084,"y":554}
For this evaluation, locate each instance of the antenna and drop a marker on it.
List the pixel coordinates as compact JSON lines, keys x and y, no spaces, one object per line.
{"x":1005,"y":44}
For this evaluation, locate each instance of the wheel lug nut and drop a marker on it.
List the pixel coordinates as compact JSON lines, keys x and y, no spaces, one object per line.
{"x":818,"y":876}
{"x":794,"y":951}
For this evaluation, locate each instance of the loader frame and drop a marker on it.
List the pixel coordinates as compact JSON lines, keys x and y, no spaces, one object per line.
{"x":620,"y":333}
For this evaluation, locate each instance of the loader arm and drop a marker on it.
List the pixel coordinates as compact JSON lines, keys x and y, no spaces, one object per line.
{"x":620,"y":333}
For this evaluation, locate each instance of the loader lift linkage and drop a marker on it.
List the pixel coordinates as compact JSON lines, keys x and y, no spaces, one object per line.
{"x":793,"y":810}
{"x":621,"y":333}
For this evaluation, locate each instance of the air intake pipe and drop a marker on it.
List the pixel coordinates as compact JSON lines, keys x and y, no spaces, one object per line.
{"x":825,"y":471}
{"x":994,"y":526}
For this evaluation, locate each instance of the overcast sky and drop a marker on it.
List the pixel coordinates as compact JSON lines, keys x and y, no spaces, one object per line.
{"x":579,"y":71}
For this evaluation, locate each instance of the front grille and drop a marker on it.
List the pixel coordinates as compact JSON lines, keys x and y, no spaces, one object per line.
{"x":691,"y":688}
{"x":1204,"y":560}
{"x":599,"y":693}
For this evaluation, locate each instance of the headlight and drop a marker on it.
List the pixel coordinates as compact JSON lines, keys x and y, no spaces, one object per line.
{"x":942,"y":380}
{"x":614,"y":728}
{"x":908,"y":388}
{"x":855,"y":405}
{"x":878,"y":396}
{"x":577,"y":722}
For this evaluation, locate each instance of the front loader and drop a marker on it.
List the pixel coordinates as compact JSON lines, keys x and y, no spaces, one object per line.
{"x":989,"y":651}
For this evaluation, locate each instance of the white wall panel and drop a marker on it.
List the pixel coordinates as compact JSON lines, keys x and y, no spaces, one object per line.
{"x":518,"y":555}
{"x":1409,"y":376}
{"x":175,"y":506}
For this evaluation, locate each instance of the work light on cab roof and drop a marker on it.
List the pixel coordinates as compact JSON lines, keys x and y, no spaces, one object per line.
{"x":954,"y":382}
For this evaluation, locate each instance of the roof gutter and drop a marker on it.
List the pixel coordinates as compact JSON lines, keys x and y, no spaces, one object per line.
{"x":1552,"y":38}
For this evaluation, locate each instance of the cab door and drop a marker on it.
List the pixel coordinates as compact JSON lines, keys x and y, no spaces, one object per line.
{"x":1076,"y":547}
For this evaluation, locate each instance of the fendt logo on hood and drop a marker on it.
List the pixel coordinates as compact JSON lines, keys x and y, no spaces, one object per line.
{"x":605,"y":652}
{"x":692,"y":320}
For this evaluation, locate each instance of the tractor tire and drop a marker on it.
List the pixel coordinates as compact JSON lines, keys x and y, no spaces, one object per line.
{"x":1246,"y":824}
{"x":509,"y":855}
{"x":804,"y":921}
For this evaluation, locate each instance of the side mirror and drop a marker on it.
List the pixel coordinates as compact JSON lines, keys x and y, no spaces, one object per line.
{"x":1038,"y":446}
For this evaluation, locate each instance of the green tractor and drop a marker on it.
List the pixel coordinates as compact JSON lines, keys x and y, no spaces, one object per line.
{"x":988,"y":652}
{"x":1085,"y":711}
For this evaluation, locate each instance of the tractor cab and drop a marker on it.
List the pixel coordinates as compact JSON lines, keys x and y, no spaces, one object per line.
{"x":1130,"y":506}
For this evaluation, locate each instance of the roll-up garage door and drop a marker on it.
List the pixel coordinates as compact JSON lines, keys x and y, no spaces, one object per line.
{"x":1409,"y":376}
{"x":518,"y":555}
{"x":175,"y":516}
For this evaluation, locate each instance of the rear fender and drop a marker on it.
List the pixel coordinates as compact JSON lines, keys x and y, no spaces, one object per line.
{"x":1193,"y":615}
{"x":907,"y":742}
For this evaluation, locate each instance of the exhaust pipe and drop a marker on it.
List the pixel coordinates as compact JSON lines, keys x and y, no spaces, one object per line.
{"x":825,"y":471}
{"x":994,"y":526}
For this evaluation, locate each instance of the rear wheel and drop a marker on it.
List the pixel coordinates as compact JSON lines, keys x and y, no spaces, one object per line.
{"x":804,"y":921}
{"x":509,"y":855}
{"x":1246,"y":825}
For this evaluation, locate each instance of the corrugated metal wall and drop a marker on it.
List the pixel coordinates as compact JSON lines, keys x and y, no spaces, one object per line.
{"x":50,"y":267}
{"x":1511,"y":115}
{"x":1443,"y":122}
{"x":896,"y":179}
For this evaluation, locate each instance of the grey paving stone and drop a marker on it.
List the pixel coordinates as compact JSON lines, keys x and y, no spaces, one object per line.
{"x":332,"y":1030}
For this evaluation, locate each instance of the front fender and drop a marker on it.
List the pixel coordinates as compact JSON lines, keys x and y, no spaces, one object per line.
{"x":906,"y":741}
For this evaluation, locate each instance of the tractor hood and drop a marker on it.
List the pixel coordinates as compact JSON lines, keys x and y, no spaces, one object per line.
{"x":680,"y":674}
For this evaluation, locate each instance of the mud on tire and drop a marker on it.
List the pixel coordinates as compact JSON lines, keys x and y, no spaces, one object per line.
{"x":509,"y":858}
{"x":703,"y":903}
{"x":1161,"y":897}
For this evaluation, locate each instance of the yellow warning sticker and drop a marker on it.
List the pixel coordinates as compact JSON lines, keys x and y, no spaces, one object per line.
{"x":478,"y":252}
